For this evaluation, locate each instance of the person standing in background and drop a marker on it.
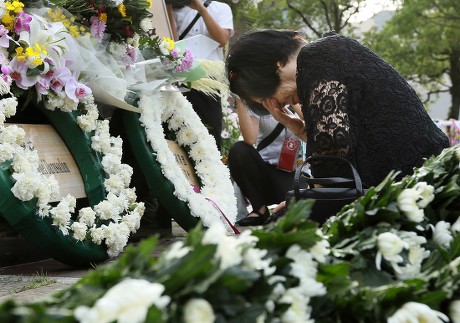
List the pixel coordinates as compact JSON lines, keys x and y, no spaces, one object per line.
{"x":216,"y":22}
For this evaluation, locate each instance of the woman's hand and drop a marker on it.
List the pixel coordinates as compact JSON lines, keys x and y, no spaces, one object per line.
{"x":283,"y":115}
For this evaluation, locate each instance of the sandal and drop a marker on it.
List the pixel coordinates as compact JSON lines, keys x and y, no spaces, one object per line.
{"x":254,"y":220}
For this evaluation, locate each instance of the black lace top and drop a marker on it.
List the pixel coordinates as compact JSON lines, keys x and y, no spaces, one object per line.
{"x":357,"y":106}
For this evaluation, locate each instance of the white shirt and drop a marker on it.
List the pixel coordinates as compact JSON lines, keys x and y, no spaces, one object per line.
{"x":222,"y":14}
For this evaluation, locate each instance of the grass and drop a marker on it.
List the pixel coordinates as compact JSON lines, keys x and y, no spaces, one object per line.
{"x":36,"y":281}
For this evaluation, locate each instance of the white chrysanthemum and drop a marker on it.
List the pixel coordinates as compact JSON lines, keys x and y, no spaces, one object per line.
{"x":407,"y":203}
{"x":389,"y":246}
{"x":456,"y":226}
{"x":298,"y":311}
{"x":417,"y":312}
{"x":146,"y":24}
{"x":320,"y":250}
{"x":79,"y":230}
{"x":164,"y":47}
{"x":176,"y":250}
{"x":186,"y":137}
{"x":87,"y":216}
{"x":126,"y":302}
{"x":454,"y":311}
{"x":254,"y":258}
{"x":426,"y":194}
{"x":416,"y":255}
{"x":198,"y":310}
{"x":442,"y":234}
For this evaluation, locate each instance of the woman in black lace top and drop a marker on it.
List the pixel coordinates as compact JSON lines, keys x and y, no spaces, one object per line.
{"x":354,"y":104}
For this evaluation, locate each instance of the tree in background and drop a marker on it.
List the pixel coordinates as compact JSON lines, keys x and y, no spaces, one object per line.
{"x":315,"y":17}
{"x":422,"y":41}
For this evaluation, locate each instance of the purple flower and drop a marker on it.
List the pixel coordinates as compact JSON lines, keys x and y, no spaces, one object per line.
{"x":97,"y":28}
{"x":18,"y":72}
{"x":58,"y":77}
{"x":42,"y":86}
{"x":76,"y":91}
{"x":4,"y":38}
{"x":22,"y":22}
{"x":187,"y":62}
{"x":174,"y":53}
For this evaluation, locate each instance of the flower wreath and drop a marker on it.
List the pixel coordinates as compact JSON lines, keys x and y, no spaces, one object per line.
{"x":216,"y":194}
{"x":39,"y":65}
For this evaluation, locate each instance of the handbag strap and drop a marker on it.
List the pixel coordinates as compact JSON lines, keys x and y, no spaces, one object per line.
{"x":327,"y":180}
{"x":271,"y":136}
{"x":185,"y":32}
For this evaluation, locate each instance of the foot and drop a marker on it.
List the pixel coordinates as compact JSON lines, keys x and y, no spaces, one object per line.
{"x":256,"y":217}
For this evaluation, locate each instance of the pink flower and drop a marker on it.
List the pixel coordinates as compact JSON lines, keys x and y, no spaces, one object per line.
{"x":4,"y":38}
{"x":97,"y":28}
{"x":42,"y":86}
{"x":22,"y":22}
{"x":187,"y":62}
{"x":59,"y":77}
{"x":76,"y":91}
{"x":18,"y":72}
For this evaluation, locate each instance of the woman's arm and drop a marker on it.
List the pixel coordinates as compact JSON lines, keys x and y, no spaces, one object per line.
{"x":249,"y":125}
{"x":216,"y":32}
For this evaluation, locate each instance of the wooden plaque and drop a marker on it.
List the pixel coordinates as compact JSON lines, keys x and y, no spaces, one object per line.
{"x":55,"y":158}
{"x":184,"y":162}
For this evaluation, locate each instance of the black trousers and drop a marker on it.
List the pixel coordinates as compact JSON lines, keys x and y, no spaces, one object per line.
{"x":261,"y":183}
{"x":209,"y":109}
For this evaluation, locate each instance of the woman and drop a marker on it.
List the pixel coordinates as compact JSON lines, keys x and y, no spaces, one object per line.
{"x":355,"y":105}
{"x":254,"y":168}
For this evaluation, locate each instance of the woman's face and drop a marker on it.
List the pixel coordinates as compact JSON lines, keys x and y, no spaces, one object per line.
{"x":286,"y":93}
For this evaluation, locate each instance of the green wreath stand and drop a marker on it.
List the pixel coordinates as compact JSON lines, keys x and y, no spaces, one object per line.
{"x":22,"y":216}
{"x":156,"y":182}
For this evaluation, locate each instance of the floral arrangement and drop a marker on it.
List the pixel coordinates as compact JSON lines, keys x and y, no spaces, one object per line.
{"x":35,"y":63}
{"x":173,"y":109}
{"x":393,"y":255}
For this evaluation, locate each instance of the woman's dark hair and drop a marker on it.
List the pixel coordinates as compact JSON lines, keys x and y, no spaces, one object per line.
{"x":252,"y":63}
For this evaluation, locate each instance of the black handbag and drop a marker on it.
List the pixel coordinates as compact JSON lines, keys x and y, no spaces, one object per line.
{"x":328,"y":200}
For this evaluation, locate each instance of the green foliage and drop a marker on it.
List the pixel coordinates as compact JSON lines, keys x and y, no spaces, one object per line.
{"x":422,"y":41}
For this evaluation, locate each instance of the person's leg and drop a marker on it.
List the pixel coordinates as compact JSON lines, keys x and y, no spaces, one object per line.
{"x":209,"y":109}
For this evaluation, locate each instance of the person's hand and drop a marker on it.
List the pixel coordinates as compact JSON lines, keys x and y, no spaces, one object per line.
{"x":279,"y":207}
{"x":284,"y":116}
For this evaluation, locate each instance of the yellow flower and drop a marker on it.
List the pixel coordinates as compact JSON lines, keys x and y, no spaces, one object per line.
{"x":74,"y":31}
{"x":170,"y":42}
{"x":150,"y":3}
{"x":103,"y":17}
{"x":15,"y":6}
{"x":20,"y":54}
{"x":8,"y":21}
{"x":122,"y":10}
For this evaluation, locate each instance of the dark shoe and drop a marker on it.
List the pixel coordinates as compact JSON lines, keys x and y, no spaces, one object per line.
{"x":254,"y":220}
{"x":276,"y":216}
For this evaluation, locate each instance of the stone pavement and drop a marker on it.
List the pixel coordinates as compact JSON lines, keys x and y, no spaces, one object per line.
{"x":31,"y":281}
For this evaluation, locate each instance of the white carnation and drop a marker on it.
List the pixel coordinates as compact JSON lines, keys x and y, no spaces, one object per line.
{"x":79,"y":230}
{"x":87,"y":216}
{"x":26,"y":185}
